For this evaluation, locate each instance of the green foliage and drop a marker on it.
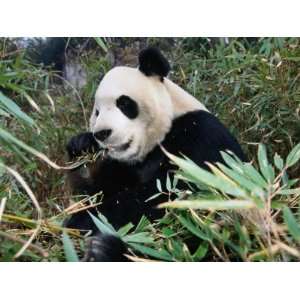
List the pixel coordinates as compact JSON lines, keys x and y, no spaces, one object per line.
{"x":101,"y":43}
{"x":69,"y":248}
{"x":102,"y":224}
{"x":292,"y":223}
{"x":239,"y":200}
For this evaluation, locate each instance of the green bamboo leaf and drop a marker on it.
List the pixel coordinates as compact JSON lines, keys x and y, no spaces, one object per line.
{"x":241,"y":180}
{"x":264,"y":166}
{"x":101,"y":43}
{"x":254,"y":175}
{"x":292,"y":224}
{"x":232,"y":162}
{"x":69,"y":249}
{"x":278,"y":162}
{"x":168,"y":183}
{"x":158,"y":185}
{"x":15,"y":110}
{"x":292,"y":182}
{"x":168,"y":232}
{"x":140,"y":238}
{"x":142,"y":224}
{"x":153,"y":197}
{"x":199,"y":175}
{"x":159,"y":254}
{"x":102,"y":225}
{"x":200,"y":252}
{"x":188,"y":224}
{"x":293,"y":156}
{"x":10,"y":139}
{"x":125,"y":229}
{"x":22,"y":91}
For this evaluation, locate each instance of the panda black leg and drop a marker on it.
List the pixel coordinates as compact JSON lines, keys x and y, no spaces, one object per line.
{"x":82,"y":143}
{"x":105,"y":248}
{"x":81,"y":221}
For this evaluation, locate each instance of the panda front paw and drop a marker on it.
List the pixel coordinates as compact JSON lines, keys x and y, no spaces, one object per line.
{"x":81,"y":144}
{"x":105,"y":248}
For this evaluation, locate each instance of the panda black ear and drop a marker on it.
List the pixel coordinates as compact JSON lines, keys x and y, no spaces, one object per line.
{"x":152,"y":62}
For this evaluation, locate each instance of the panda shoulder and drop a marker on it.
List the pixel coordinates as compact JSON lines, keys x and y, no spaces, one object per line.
{"x":198,"y":132}
{"x":194,"y":124}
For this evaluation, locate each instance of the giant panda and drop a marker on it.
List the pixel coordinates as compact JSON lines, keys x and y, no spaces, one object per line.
{"x":136,"y":111}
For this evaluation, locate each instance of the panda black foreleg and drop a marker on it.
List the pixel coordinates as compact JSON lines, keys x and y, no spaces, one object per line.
{"x":81,"y":144}
{"x":80,"y":179}
{"x":105,"y":248}
{"x":126,"y":207}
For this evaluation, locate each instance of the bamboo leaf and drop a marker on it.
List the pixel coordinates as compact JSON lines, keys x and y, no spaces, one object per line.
{"x":200,"y":252}
{"x":188,"y":224}
{"x":69,"y":249}
{"x":141,"y":237}
{"x":125,"y":229}
{"x":168,"y":183}
{"x":13,"y":140}
{"x":101,"y":43}
{"x":293,"y":156}
{"x":241,"y":180}
{"x":103,"y":226}
{"x":254,"y":175}
{"x":264,"y":166}
{"x":15,"y":110}
{"x":292,"y":224}
{"x":142,"y":224}
{"x":199,"y":175}
{"x":232,"y":162}
{"x":158,"y":185}
{"x":159,"y":254}
{"x":278,"y":162}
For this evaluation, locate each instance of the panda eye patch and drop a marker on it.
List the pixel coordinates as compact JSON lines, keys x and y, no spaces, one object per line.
{"x":97,"y":112}
{"x":128,"y":106}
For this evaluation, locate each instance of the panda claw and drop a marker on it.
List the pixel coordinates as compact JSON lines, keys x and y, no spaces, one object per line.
{"x":105,"y":248}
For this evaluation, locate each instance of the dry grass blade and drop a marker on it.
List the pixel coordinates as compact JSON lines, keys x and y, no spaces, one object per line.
{"x":47,"y":95}
{"x":32,"y":102}
{"x":2,"y":206}
{"x":35,"y":202}
{"x":274,"y":249}
{"x":139,"y":259}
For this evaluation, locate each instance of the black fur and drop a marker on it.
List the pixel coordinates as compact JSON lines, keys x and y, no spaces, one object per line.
{"x":128,"y":106}
{"x":82,"y":143}
{"x":152,"y":62}
{"x":105,"y":248}
{"x":102,"y":135}
{"x":198,"y":135}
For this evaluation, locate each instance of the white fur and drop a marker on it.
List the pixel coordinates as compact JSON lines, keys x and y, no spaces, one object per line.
{"x":159,"y":103}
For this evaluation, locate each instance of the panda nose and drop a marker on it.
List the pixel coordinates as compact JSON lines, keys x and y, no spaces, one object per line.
{"x":102,"y":135}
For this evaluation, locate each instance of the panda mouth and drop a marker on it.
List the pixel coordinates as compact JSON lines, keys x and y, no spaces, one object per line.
{"x":125,"y":146}
{"x":120,"y":148}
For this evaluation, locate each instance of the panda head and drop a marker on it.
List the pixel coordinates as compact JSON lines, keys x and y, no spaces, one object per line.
{"x":134,"y":107}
